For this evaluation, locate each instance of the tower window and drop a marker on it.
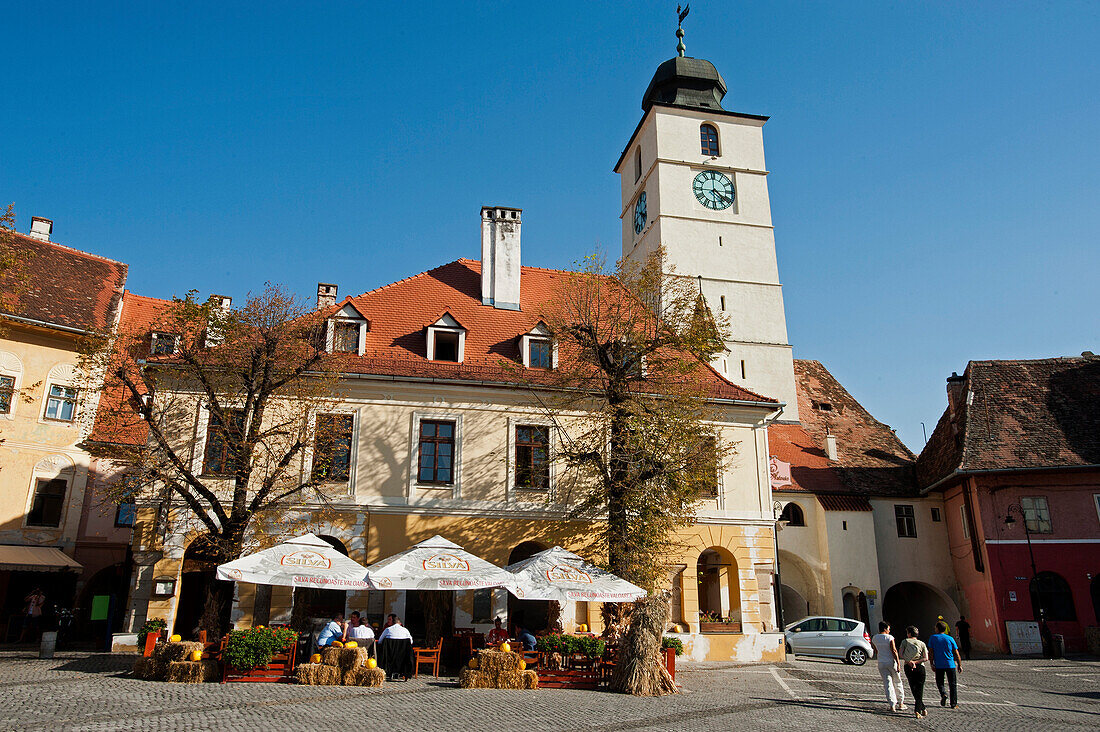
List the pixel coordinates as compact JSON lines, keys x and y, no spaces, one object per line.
{"x":743,"y":369}
{"x":722,"y":300}
{"x":708,"y":137}
{"x":637,"y":163}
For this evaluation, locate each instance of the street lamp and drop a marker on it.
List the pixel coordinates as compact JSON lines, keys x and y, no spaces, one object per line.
{"x":1044,"y":631}
{"x":777,"y":512}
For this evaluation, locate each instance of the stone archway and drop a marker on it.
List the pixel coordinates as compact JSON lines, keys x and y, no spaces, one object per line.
{"x":801,"y":578}
{"x":915,"y":603}
{"x":795,"y":606}
{"x":719,"y":586}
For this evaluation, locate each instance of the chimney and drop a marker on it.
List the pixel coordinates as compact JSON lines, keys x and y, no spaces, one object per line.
{"x":220,"y":306}
{"x":500,"y":256}
{"x":326,"y":295}
{"x":41,"y":228}
{"x":830,"y":445}
{"x":956,"y":392}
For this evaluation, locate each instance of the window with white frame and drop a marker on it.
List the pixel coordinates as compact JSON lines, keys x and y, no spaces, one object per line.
{"x":332,"y":448}
{"x":48,"y":502}
{"x":61,"y":403}
{"x":163,"y":344}
{"x":446,"y":340}
{"x":346,"y":331}
{"x":1036,"y":514}
{"x":907,"y":521}
{"x":537,"y":348}
{"x":436,"y":452}
{"x":935,"y":515}
{"x":532,"y":457}
{"x":7,"y":394}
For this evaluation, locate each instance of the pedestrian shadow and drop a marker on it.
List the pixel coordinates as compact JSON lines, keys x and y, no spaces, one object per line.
{"x":100,"y":663}
{"x":840,"y":705}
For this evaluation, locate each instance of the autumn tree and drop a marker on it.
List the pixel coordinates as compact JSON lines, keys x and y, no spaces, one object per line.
{"x":633,"y":344}
{"x":253,"y":379}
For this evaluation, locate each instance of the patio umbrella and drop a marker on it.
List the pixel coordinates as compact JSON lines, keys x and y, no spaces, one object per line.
{"x":559,"y":574}
{"x":435,"y":564}
{"x":304,"y":561}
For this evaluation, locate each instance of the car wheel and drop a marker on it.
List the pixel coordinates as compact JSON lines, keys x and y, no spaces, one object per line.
{"x":856,"y":656}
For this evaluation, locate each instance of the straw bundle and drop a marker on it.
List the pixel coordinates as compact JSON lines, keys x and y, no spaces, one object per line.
{"x":638,"y":670}
{"x":178,"y":651}
{"x":494,"y":662}
{"x":351,"y":658}
{"x":363,"y":677}
{"x":530,"y":679}
{"x":330,"y":655}
{"x":185,"y":672}
{"x":470,"y":678}
{"x":508,"y":680}
{"x":318,"y":674}
{"x":150,"y":669}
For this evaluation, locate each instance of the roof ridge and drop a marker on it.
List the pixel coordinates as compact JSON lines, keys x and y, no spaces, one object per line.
{"x":131,"y":293}
{"x":523,"y":266}
{"x":404,"y":279}
{"x":67,"y":248}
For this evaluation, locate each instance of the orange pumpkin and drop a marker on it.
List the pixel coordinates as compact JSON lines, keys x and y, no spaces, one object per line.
{"x":506,"y":647}
{"x":337,"y":644}
{"x":174,"y":639}
{"x":315,"y":658}
{"x":474,"y":663}
{"x":522,"y":664}
{"x":371,"y":663}
{"x":196,"y":655}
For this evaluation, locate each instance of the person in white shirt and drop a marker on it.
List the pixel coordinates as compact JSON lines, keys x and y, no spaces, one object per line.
{"x":889,"y":667}
{"x":397,"y":631}
{"x":358,"y":630}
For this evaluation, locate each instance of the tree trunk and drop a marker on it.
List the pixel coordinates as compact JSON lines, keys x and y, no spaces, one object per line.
{"x":640,"y":670}
{"x":435,"y":606}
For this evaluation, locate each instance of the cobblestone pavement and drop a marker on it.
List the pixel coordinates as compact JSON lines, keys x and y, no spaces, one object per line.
{"x":95,"y":692}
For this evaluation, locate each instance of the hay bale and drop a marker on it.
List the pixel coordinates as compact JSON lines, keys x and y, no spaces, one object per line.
{"x":184,"y":672}
{"x":178,"y":651}
{"x":530,"y":679}
{"x":494,"y":662}
{"x":507,"y":680}
{"x":149,"y":668}
{"x":330,"y":655}
{"x":352,"y":658}
{"x":363,"y":677}
{"x":318,"y":674}
{"x":470,"y":678}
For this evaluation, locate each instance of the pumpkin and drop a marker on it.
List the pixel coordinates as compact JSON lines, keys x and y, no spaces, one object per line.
{"x":522,"y":664}
{"x":474,"y":662}
{"x":582,"y":628}
{"x":315,"y":658}
{"x":351,"y":644}
{"x":196,"y":655}
{"x":506,"y":647}
{"x":371,"y":663}
{"x":259,"y":627}
{"x":175,"y":639}
{"x":338,"y":644}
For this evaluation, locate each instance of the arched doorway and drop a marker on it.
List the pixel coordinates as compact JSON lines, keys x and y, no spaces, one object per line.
{"x":855,"y":605}
{"x":719,"y":588}
{"x":197,"y":606}
{"x":795,"y":606}
{"x":534,"y":615}
{"x":112,"y":582}
{"x":1050,"y":593}
{"x":314,"y":604}
{"x":915,"y":603}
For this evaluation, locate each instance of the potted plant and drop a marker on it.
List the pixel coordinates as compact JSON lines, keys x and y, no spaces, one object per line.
{"x":711,"y":621}
{"x":253,"y":649}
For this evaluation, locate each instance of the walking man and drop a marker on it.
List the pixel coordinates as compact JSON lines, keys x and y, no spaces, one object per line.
{"x":889,"y":667}
{"x":963,"y":629}
{"x":945,"y":662}
{"x":914,"y":654}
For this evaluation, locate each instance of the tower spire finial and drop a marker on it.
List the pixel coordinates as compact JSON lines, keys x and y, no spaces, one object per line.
{"x":681,"y":14}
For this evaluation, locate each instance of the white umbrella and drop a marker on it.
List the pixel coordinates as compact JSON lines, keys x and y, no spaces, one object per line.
{"x":435,"y":564}
{"x":558,"y":574}
{"x":304,"y":561}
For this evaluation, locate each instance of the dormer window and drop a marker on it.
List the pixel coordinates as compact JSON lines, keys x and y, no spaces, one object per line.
{"x":537,"y":348}
{"x":163,"y":344}
{"x":347,"y":331}
{"x":446,"y":340}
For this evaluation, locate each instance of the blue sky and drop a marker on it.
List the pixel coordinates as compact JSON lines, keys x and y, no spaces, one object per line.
{"x":934,"y":167}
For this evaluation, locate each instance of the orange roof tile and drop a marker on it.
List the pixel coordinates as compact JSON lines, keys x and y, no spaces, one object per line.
{"x":811,"y":470}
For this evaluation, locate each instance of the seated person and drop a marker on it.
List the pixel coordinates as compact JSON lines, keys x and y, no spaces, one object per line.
{"x":498,"y":634}
{"x":525,"y":637}
{"x":395,"y":631}
{"x":358,"y":630}
{"x":333,"y":631}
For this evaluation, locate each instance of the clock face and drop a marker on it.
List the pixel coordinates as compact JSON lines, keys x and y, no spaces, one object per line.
{"x":714,"y":190}
{"x":639,"y":214}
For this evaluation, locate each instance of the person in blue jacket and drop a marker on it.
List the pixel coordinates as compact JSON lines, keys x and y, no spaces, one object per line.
{"x":946,"y":663}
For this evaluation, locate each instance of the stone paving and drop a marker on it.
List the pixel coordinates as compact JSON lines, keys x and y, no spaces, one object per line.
{"x":95,"y":692}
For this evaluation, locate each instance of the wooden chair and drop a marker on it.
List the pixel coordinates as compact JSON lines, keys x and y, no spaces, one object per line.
{"x":428,"y":655}
{"x":531,"y":658}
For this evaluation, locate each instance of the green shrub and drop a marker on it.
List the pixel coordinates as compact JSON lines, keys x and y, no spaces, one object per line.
{"x":570,"y":644}
{"x":249,"y":649}
{"x":670,"y":642}
{"x":154,"y":626}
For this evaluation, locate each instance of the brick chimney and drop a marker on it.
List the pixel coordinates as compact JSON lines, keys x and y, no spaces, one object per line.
{"x":326,"y":295}
{"x":956,"y":392}
{"x":40,"y":228}
{"x":500,"y":256}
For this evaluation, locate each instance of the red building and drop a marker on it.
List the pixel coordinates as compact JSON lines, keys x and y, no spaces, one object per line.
{"x":1019,"y":448}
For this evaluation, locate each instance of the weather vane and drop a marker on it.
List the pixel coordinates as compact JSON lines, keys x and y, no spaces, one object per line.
{"x":681,"y":13}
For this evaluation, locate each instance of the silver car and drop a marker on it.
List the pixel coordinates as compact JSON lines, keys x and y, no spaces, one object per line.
{"x":829,"y":638}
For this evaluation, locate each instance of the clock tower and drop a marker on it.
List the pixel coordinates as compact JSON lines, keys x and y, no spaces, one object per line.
{"x":693,"y":180}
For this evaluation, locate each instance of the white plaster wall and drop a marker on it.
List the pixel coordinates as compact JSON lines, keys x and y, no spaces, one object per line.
{"x":853,"y":559}
{"x":923,"y":559}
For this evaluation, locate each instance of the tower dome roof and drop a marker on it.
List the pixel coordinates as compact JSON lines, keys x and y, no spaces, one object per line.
{"x":685,"y":82}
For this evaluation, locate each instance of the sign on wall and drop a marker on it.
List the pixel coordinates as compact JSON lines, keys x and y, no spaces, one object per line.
{"x":1023,"y":637}
{"x":780,"y":472}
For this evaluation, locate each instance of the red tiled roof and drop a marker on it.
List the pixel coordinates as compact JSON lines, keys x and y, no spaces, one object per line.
{"x":1018,"y":414}
{"x":117,"y":421}
{"x":811,"y":471}
{"x":61,"y":286}
{"x":396,"y":344}
{"x":844,"y":503}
